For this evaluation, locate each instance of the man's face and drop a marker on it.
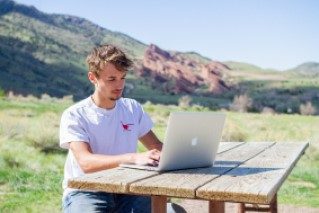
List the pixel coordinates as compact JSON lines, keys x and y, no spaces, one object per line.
{"x":110,"y":83}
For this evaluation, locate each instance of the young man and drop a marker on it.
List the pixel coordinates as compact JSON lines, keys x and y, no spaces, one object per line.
{"x":102,"y":131}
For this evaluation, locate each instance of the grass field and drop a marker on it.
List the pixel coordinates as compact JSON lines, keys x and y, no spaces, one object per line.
{"x":31,"y":163}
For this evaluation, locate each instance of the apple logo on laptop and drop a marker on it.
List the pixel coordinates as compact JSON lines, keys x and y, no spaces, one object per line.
{"x":194,"y":141}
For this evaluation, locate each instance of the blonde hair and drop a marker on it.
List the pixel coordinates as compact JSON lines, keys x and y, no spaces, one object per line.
{"x":107,"y":53}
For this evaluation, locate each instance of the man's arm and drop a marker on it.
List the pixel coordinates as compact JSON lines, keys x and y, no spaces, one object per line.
{"x":150,"y":141}
{"x":90,"y":162}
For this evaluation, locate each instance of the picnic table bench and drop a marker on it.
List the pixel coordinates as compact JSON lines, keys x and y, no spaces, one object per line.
{"x":245,"y":173}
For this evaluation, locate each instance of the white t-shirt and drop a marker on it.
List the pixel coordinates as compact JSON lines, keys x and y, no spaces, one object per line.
{"x":109,"y":132}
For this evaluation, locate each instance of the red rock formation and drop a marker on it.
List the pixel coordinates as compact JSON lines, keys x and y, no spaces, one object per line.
{"x":177,"y":74}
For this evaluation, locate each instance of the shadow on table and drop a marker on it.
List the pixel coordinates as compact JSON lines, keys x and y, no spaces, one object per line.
{"x":229,"y":168}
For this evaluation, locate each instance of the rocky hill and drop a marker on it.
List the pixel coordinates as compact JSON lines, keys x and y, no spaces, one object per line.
{"x":175,"y":73}
{"x":45,"y":53}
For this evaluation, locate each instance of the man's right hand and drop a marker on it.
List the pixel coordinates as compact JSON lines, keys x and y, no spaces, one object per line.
{"x":150,"y":157}
{"x":90,"y":162}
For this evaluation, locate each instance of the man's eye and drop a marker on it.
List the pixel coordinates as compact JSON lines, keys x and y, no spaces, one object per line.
{"x":123,"y":78}
{"x":112,"y":79}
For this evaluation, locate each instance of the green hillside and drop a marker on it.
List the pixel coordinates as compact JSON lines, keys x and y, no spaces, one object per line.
{"x":43,"y":53}
{"x":241,"y":66}
{"x":308,"y":68}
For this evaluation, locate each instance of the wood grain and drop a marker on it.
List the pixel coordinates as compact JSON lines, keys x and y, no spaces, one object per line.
{"x":114,"y":180}
{"x":225,"y":146}
{"x":258,"y":179}
{"x":183,"y":183}
{"x":117,"y":180}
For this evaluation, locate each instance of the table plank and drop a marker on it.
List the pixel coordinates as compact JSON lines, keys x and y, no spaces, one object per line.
{"x":225,"y":146}
{"x":117,"y":179}
{"x":112,"y":180}
{"x":258,"y":179}
{"x":183,"y":183}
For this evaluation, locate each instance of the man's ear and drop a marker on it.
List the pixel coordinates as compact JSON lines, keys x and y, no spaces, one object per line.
{"x":92,"y":77}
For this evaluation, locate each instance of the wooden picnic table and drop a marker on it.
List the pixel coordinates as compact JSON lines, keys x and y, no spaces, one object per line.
{"x":243,"y":172}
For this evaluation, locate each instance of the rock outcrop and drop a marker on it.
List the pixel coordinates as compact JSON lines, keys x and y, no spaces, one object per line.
{"x":177,"y":74}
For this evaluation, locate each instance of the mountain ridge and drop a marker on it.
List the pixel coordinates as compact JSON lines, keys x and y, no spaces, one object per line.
{"x":60,"y":41}
{"x":38,"y":57}
{"x":307,"y":68}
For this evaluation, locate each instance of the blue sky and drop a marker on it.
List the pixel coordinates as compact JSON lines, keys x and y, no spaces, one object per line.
{"x":276,"y":34}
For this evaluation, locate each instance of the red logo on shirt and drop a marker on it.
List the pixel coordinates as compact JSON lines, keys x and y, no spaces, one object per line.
{"x":126,"y":127}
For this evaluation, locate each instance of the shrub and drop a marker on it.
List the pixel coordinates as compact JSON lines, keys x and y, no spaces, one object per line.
{"x":184,"y":101}
{"x":10,"y":95}
{"x":307,"y":109}
{"x":241,"y":103}
{"x":268,"y":110}
{"x":198,"y":108}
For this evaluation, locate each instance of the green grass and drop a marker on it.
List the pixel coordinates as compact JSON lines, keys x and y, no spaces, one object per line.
{"x":34,"y":104}
{"x":31,"y":191}
{"x":30,"y":180}
{"x":302,"y":186}
{"x":31,"y":165}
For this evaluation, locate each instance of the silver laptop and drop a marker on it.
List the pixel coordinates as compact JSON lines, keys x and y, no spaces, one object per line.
{"x":191,"y":141}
